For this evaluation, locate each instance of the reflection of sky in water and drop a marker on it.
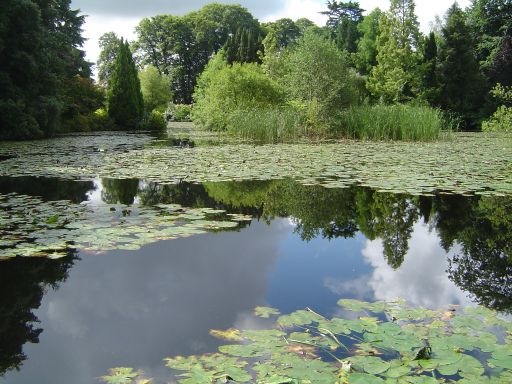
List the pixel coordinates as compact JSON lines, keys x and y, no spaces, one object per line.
{"x":135,"y":308}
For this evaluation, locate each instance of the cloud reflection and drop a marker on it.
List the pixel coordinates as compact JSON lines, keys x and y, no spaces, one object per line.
{"x":422,"y":278}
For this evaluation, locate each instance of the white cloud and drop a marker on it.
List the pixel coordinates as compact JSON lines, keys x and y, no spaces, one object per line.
{"x":422,"y":279}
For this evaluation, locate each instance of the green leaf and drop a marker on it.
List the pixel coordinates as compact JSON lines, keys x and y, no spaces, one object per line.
{"x":265,"y":312}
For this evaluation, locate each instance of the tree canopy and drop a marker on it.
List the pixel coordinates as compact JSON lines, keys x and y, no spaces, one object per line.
{"x":40,"y":46}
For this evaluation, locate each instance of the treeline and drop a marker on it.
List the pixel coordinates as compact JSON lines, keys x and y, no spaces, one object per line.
{"x":292,"y":78}
{"x":463,"y":67}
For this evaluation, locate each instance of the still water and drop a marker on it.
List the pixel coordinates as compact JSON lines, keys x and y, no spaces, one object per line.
{"x":70,"y":320}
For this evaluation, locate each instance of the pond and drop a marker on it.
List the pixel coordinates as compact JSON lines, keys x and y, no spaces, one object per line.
{"x":120,"y":250}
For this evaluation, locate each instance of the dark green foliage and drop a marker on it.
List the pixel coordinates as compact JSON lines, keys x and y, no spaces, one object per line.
{"x":430,"y":83}
{"x":490,"y":21}
{"x":462,"y":86}
{"x":344,"y":18}
{"x":243,"y":47}
{"x":500,"y":70}
{"x":124,"y":98}
{"x":39,"y":46}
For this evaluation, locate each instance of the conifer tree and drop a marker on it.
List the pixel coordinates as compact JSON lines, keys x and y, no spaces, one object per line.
{"x":430,"y":83}
{"x":395,"y":78}
{"x":124,"y":98}
{"x":462,"y":85}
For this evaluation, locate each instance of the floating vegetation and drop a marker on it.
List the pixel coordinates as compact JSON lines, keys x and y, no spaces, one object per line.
{"x":465,"y":164}
{"x":32,"y":227}
{"x":413,"y":345}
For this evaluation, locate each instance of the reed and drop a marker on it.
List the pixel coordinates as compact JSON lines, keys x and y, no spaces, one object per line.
{"x":392,"y":122}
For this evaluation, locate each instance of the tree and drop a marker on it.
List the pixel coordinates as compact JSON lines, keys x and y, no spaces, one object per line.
{"x":395,"y":78}
{"x":462,"y":85}
{"x":40,"y":47}
{"x":285,"y":31}
{"x":430,"y":83}
{"x":155,"y":87}
{"x":109,"y":45}
{"x":181,"y":46}
{"x":243,"y":47}
{"x":490,"y":23}
{"x":366,"y":56}
{"x":318,"y":75}
{"x":344,"y":18}
{"x":124,"y":98}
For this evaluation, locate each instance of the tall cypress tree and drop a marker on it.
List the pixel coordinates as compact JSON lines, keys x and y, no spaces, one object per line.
{"x":462,"y":85}
{"x":124,"y":98}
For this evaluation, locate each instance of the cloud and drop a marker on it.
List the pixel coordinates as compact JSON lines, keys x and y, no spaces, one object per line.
{"x":137,"y":8}
{"x":422,"y":278}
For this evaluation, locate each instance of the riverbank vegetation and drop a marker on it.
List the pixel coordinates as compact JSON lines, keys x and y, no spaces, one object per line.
{"x":274,"y":81}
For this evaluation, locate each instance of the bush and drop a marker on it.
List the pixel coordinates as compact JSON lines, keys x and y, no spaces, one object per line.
{"x":154,"y":121}
{"x":96,"y":121}
{"x":227,"y":89}
{"x":270,"y":125}
{"x":392,"y":122}
{"x":178,"y":112}
{"x":501,"y":121}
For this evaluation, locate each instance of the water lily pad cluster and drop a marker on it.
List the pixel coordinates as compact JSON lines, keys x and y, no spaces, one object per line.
{"x":462,"y":164}
{"x":382,"y":343}
{"x":30,"y":226}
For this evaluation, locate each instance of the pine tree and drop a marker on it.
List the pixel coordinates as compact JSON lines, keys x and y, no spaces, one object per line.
{"x":124,"y":97}
{"x":396,"y":78}
{"x":462,"y":85}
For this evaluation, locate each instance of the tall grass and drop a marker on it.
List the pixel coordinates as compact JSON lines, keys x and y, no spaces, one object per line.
{"x":391,"y":122}
{"x":269,"y":125}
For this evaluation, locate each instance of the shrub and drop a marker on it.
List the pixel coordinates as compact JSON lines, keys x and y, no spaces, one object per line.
{"x":178,"y":112}
{"x":226,"y":89}
{"x":501,"y":121}
{"x":154,"y":121}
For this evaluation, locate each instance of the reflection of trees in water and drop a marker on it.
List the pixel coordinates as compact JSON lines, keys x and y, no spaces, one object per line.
{"x":483,"y":229}
{"x":47,"y":188}
{"x":23,"y":282}
{"x":122,"y":191}
{"x":481,"y":225}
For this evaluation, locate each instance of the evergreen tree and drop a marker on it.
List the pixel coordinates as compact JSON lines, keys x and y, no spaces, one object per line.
{"x":462,"y":86}
{"x":430,"y":83}
{"x":396,"y":77}
{"x":40,"y":49}
{"x":124,"y":98}
{"x":243,"y":47}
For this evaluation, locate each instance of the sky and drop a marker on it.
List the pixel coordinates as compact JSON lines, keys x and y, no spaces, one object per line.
{"x":121,"y":16}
